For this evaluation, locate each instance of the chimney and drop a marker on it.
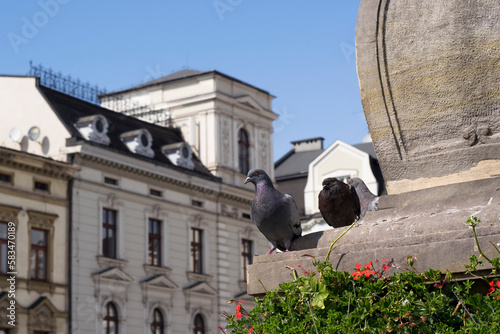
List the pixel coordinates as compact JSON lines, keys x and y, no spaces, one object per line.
{"x":312,"y":144}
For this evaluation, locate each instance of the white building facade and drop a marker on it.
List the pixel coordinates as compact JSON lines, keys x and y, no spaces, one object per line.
{"x":156,"y":241}
{"x":227,"y":122}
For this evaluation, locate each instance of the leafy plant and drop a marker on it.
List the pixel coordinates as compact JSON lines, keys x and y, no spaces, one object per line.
{"x":373,"y":299}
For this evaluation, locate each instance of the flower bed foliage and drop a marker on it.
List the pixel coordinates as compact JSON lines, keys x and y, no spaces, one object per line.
{"x":374,"y":299}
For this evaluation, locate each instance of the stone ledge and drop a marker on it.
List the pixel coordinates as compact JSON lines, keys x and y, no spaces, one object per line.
{"x":427,"y":223}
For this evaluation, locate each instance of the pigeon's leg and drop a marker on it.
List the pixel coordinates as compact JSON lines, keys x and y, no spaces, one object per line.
{"x":287,"y":245}
{"x":271,"y":250}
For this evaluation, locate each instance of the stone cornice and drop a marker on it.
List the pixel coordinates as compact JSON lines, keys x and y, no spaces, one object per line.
{"x":36,"y":165}
{"x":162,"y":178}
{"x":235,"y":198}
{"x":146,"y":173}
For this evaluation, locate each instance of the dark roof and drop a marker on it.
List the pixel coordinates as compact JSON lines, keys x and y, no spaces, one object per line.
{"x":182,"y":74}
{"x":70,"y":109}
{"x":367,"y":148}
{"x":295,"y":163}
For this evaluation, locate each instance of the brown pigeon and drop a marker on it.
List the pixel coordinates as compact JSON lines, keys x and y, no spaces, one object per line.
{"x":338,"y":203}
{"x":274,"y":213}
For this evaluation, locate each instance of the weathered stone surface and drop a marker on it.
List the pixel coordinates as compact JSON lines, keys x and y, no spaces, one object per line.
{"x":427,"y":223}
{"x":429,"y":74}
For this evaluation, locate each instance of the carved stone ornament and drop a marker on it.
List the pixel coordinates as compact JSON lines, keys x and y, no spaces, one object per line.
{"x":225,"y":141}
{"x":229,"y":211}
{"x":263,"y":148}
{"x":9,"y":213}
{"x":476,"y":135}
{"x":41,"y":220}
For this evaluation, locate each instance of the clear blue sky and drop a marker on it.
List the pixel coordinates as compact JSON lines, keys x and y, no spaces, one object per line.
{"x":302,"y":52}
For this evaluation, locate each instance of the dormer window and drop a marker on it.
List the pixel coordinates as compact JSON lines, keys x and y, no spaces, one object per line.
{"x":180,"y":154}
{"x":139,"y":142}
{"x":94,"y":128}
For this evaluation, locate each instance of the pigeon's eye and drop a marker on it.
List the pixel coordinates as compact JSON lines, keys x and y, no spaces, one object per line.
{"x":255,"y":173}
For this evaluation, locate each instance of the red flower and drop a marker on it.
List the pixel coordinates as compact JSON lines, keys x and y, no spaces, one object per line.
{"x":367,"y":272}
{"x":251,"y":330}
{"x":492,"y":288}
{"x":385,"y":266}
{"x":238,"y":311}
{"x":356,"y":274}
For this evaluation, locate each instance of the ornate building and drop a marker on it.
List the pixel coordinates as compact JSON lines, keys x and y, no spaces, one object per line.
{"x":156,"y":241}
{"x":227,"y":122}
{"x":34,"y":246}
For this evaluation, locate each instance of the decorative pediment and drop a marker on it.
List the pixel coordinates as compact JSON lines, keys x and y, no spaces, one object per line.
{"x":249,"y":102}
{"x":42,"y":314}
{"x":201,"y":288}
{"x":159,"y":282}
{"x":113,"y":274}
{"x":200,"y":296}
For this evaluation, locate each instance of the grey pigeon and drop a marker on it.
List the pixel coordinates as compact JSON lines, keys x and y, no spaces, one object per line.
{"x":338,"y":203}
{"x":274,"y":213}
{"x":367,"y":200}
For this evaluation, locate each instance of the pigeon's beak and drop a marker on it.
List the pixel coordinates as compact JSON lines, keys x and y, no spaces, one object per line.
{"x":246,"y":180}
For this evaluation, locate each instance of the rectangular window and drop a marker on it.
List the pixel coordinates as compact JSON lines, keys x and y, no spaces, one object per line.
{"x":109,"y":237}
{"x":246,"y":256}
{"x":7,"y":178}
{"x":4,"y":243}
{"x":156,"y":193}
{"x":38,"y":254}
{"x":111,"y":181}
{"x":154,"y":237}
{"x":42,"y":186}
{"x":198,"y":204}
{"x":197,"y":250}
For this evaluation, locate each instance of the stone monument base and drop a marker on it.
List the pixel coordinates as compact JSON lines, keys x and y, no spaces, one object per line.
{"x":426,"y":223}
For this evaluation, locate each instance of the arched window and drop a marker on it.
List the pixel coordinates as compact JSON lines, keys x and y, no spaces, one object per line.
{"x":199,"y":325}
{"x":110,"y":320}
{"x":157,"y":323}
{"x":243,"y":151}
